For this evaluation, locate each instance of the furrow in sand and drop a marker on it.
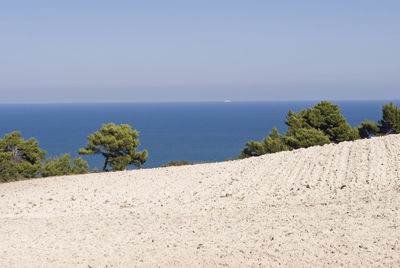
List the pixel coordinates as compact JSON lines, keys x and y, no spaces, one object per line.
{"x":336,"y":174}
{"x":354,"y":168}
{"x":392,"y":158}
{"x":377,"y":165}
{"x":363,"y":158}
{"x":320,"y":164}
{"x":372,"y":163}
{"x":344,"y":161}
{"x":332,"y":153}
{"x":297,"y":163}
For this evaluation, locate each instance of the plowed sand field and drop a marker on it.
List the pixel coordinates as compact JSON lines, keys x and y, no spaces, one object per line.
{"x":335,"y":205}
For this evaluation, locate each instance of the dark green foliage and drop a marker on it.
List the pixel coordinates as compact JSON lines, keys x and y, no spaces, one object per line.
{"x":8,"y":171}
{"x":19,"y":158}
{"x":60,"y":166}
{"x":326,"y":117}
{"x":356,"y":133}
{"x":295,"y":121}
{"x":368,"y":129}
{"x":95,"y":170}
{"x":314,"y":126}
{"x":118,"y":146}
{"x":176,"y":163}
{"x":80,"y":166}
{"x":252,"y":148}
{"x":275,"y":142}
{"x":305,"y":137}
{"x":390,"y":123}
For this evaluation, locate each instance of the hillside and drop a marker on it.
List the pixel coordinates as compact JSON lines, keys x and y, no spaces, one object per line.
{"x":322,"y":206}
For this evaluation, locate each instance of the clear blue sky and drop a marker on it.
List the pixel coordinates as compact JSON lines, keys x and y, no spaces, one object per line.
{"x":111,"y":51}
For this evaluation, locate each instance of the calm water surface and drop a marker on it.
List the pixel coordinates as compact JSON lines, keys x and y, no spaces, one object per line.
{"x":169,"y":131}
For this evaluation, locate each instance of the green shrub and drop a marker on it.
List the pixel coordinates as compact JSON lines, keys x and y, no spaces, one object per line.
{"x":275,"y":142}
{"x":325,"y":117}
{"x":368,"y":129}
{"x":319,"y":125}
{"x":176,"y":163}
{"x":61,"y":166}
{"x":390,"y":123}
{"x":305,"y":137}
{"x":8,"y":171}
{"x":80,"y":166}
{"x":95,"y":170}
{"x":19,"y":158}
{"x":58,"y":166}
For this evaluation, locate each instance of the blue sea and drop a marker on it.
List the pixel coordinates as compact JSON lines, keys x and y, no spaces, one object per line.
{"x":213,"y":131}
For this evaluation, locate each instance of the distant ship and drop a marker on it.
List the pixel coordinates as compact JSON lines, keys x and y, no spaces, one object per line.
{"x":227,"y":101}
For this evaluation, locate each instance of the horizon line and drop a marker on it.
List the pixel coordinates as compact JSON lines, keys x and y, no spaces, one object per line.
{"x":192,"y":101}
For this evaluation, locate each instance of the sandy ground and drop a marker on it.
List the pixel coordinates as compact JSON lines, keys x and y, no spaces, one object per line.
{"x":336,"y":205}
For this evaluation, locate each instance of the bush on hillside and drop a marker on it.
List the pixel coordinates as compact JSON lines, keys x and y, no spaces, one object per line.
{"x":58,"y":166}
{"x":390,"y":122}
{"x":95,"y":170}
{"x":176,"y":163}
{"x":319,"y":125}
{"x":19,"y":158}
{"x":275,"y":142}
{"x":325,"y":117}
{"x":61,"y":166}
{"x":305,"y":137}
{"x":81,"y":166}
{"x":8,"y":171}
{"x":368,"y":129}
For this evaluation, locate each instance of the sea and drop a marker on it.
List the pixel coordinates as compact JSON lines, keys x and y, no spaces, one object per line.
{"x":195,"y":132}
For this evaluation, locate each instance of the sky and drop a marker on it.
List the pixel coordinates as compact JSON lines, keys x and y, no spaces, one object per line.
{"x":199,"y":50}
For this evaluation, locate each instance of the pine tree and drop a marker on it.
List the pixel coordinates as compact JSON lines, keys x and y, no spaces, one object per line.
{"x":20,"y":158}
{"x":319,"y":125}
{"x":118,"y":146}
{"x":368,"y":129}
{"x":390,"y":123}
{"x":326,"y":117}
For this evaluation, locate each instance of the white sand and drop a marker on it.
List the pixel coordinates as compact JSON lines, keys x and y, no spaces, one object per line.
{"x":322,"y":206}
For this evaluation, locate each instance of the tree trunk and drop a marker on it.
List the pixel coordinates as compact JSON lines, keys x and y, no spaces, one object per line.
{"x":105,"y":165}
{"x":16,"y":158}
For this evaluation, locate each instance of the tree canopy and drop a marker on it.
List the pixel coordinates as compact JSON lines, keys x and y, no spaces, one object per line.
{"x":80,"y":166}
{"x":177,"y":163}
{"x":390,"y":122}
{"x":368,"y":129}
{"x":319,"y":125}
{"x":19,"y":158}
{"x":60,"y":166}
{"x":305,"y":137}
{"x":118,"y":144}
{"x":273,"y":143}
{"x":325,"y":117}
